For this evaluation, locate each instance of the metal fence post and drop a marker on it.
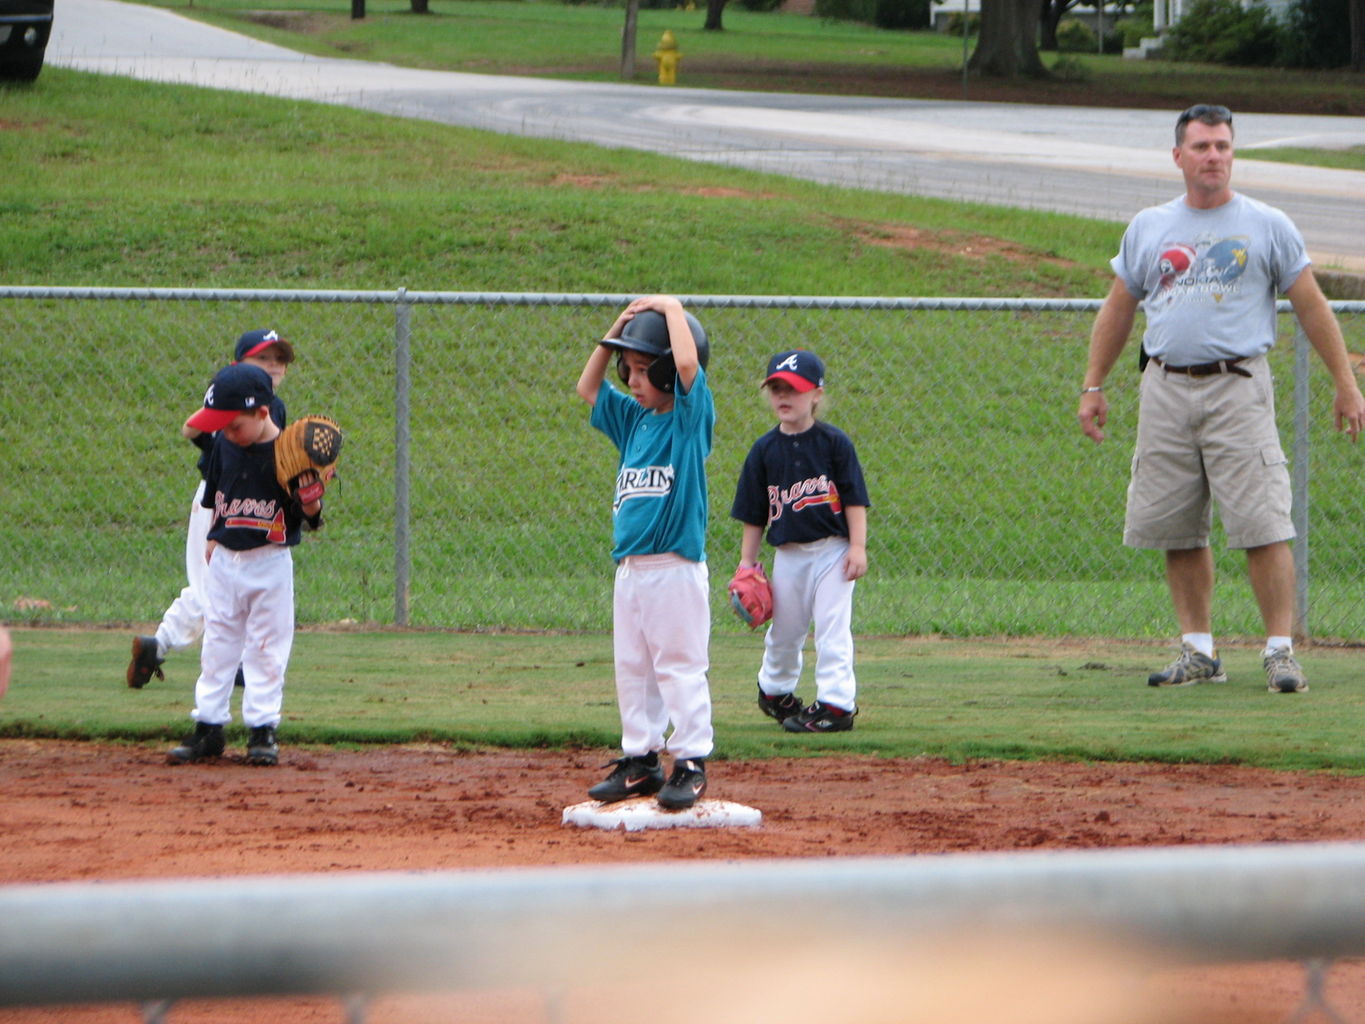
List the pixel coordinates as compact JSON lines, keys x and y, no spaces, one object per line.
{"x":1299,"y":482}
{"x":402,"y":416}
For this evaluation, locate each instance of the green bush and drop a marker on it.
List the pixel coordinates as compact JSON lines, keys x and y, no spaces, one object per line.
{"x":892,"y":14}
{"x":845,"y":10}
{"x":1132,"y":31}
{"x":901,"y":14}
{"x":1313,"y":35}
{"x":1071,"y":69}
{"x":953,"y":24}
{"x":761,"y":6}
{"x":1075,"y":37}
{"x":1221,"y":32}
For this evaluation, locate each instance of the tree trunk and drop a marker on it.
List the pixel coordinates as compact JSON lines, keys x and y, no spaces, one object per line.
{"x":628,"y":40}
{"x":357,"y":9}
{"x":714,"y":8}
{"x":1357,"y":29}
{"x":1050,"y":17}
{"x":1008,"y":44}
{"x":420,"y":7}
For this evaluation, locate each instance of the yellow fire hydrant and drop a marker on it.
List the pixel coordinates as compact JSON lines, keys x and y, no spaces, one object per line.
{"x":668,"y":56}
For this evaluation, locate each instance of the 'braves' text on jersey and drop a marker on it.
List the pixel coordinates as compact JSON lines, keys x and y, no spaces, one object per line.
{"x":798,"y":484}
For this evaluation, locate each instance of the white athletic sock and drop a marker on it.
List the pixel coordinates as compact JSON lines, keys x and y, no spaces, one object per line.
{"x":1201,"y":642}
{"x":1276,"y":643}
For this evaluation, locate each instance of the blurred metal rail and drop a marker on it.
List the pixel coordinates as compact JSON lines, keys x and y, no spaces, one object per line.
{"x":372,"y":933}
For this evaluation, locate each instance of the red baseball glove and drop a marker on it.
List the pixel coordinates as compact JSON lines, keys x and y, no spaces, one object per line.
{"x":751,"y":595}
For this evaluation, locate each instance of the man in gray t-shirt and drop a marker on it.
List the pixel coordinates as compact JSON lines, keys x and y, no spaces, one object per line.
{"x":1206,"y":269}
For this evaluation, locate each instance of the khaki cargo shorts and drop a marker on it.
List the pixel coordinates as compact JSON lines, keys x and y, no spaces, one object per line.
{"x":1203,"y":440}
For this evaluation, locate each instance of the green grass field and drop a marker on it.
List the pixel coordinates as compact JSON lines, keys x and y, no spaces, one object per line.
{"x":111,"y":182}
{"x":919,"y":696}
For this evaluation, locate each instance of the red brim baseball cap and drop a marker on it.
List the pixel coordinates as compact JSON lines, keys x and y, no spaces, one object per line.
{"x":253,"y":343}
{"x":801,"y":368}
{"x":235,"y":389}
{"x":797,"y":382}
{"x":210,"y":421}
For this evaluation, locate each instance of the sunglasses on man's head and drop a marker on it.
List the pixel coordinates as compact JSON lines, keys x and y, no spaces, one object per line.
{"x":1205,"y":110}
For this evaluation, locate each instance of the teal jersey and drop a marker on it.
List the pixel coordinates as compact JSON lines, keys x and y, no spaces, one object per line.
{"x":660,"y":505}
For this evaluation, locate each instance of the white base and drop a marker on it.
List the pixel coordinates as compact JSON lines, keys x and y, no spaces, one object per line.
{"x":644,"y":812}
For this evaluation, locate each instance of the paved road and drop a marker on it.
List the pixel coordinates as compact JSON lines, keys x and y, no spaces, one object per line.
{"x":1090,"y":161}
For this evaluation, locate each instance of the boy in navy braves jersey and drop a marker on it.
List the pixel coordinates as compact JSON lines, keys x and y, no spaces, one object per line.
{"x":803,"y":482}
{"x":182,"y":624}
{"x":661,"y":617}
{"x":249,"y":613}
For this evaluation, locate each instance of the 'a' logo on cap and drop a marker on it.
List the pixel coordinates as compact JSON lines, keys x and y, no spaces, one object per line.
{"x":788,"y":364}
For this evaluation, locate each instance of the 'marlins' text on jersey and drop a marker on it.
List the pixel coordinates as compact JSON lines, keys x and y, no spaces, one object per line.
{"x":642,"y":482}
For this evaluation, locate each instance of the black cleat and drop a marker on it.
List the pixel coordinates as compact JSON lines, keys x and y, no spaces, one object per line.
{"x":145,"y":663}
{"x":261,"y":747}
{"x":820,"y":718}
{"x":632,"y":776}
{"x":206,"y":741}
{"x":780,"y":707}
{"x":685,"y":786}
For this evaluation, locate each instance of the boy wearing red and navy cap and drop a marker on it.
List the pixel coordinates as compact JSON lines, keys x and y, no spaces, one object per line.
{"x":249,"y":589}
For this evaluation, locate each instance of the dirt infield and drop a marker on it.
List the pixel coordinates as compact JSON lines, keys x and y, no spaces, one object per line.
{"x":80,"y":811}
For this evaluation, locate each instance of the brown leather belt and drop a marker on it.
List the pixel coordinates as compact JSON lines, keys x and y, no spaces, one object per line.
{"x":1206,"y":369}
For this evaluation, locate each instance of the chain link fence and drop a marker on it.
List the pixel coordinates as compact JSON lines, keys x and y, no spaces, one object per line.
{"x":474,"y":495}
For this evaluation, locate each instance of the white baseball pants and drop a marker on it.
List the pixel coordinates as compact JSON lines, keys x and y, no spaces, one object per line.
{"x":249,"y":621}
{"x":809,"y":586}
{"x":182,"y":624}
{"x":661,"y":637}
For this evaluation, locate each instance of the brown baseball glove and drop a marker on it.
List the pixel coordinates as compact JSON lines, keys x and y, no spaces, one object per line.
{"x":305,"y":457}
{"x":751,"y":595}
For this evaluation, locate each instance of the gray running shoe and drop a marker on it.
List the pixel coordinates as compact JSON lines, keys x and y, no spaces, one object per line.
{"x":1283,"y":673}
{"x":1190,"y":668}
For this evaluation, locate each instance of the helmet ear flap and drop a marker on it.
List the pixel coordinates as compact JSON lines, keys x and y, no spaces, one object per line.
{"x":663,"y":372}
{"x":622,"y":370}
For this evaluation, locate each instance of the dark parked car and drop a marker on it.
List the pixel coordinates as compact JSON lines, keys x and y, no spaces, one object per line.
{"x":24,"y":28}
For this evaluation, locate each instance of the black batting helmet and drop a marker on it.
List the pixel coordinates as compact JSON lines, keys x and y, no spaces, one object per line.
{"x":647,"y":332}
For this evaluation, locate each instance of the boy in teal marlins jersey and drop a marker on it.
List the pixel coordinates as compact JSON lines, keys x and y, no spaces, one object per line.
{"x":661,"y":614}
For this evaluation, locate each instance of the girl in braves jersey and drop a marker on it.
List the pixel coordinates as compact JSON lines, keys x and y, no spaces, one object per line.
{"x":803,"y":482}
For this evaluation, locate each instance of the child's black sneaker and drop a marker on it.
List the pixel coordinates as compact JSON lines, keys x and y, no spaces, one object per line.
{"x":781,"y":707}
{"x":206,"y":741}
{"x":685,"y":786}
{"x":821,"y":718}
{"x":632,"y":776}
{"x":261,"y":747}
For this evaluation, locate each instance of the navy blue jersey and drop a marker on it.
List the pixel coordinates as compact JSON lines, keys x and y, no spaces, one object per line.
{"x":250,"y":508}
{"x":205,"y":441}
{"x":798,"y":484}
